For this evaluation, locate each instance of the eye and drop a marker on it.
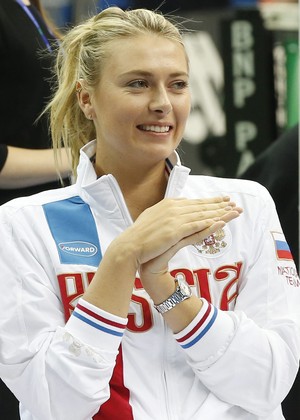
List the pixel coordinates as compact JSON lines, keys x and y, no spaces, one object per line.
{"x":138,"y":84}
{"x":179,"y":84}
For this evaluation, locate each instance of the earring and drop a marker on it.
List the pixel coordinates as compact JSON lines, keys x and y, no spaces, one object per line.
{"x":78,"y":87}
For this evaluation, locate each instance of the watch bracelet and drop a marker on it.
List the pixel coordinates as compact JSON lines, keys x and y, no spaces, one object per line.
{"x":171,"y":301}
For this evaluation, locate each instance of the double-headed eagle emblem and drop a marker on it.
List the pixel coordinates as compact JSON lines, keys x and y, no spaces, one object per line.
{"x":213,"y":244}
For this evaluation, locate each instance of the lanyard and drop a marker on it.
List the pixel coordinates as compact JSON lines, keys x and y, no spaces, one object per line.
{"x":36,"y":24}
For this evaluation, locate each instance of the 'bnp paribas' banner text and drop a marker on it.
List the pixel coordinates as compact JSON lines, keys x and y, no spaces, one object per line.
{"x":234,"y":107}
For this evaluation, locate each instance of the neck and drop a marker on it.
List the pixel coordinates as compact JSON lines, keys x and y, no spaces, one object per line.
{"x":143,"y":194}
{"x":141,"y":187}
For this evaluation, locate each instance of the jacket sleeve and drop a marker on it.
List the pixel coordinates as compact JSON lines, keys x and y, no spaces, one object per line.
{"x":249,"y":357}
{"x":42,"y":359}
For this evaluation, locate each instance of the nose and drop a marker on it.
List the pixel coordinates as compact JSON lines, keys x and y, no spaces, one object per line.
{"x":160,"y":102}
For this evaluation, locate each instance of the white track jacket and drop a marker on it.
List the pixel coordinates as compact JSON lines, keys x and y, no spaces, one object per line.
{"x":65,"y":359}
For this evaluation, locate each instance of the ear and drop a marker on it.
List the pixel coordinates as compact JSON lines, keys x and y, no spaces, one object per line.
{"x":84,"y":101}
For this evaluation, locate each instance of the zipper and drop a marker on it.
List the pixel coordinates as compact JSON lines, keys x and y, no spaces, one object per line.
{"x":128,"y":221}
{"x":116,"y":190}
{"x":165,"y":386}
{"x":170,"y":191}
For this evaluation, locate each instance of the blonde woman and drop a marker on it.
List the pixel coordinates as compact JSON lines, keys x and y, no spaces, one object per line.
{"x":142,"y":292}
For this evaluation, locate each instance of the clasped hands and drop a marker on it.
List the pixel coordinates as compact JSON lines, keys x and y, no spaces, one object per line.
{"x":163,"y":229}
{"x":147,"y":247}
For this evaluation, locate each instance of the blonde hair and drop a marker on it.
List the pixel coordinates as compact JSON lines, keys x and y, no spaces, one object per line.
{"x":80,"y":57}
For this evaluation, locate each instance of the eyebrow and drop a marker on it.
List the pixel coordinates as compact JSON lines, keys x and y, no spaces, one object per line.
{"x":144,"y":73}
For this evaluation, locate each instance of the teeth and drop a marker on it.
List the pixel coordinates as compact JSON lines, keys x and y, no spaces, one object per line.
{"x":156,"y":128}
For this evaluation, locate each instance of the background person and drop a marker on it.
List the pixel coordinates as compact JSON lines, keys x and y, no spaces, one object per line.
{"x":23,"y":168}
{"x":27,"y":51}
{"x":277,"y":168}
{"x":27,"y":165}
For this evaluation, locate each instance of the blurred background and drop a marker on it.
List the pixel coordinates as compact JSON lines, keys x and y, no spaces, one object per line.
{"x":244,"y":74}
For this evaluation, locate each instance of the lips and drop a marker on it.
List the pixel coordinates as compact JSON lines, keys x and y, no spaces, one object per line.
{"x":155,"y":128}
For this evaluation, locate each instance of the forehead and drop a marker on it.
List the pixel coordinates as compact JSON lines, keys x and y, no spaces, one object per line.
{"x":148,"y":52}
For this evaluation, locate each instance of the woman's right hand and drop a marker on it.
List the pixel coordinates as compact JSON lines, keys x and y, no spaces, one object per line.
{"x":171,"y":224}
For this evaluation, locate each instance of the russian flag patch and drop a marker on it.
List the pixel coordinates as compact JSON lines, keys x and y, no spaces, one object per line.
{"x":282,"y":249}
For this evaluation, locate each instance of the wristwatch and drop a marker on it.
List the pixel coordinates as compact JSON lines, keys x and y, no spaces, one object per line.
{"x":182,"y":292}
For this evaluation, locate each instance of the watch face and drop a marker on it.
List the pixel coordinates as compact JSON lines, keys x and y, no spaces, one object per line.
{"x":185,"y":288}
{"x":182,"y":292}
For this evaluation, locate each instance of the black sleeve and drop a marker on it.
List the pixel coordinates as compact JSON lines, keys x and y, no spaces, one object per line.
{"x":277,"y":168}
{"x":3,"y":155}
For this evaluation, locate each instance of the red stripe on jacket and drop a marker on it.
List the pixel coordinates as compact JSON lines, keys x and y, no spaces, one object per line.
{"x":118,"y":406}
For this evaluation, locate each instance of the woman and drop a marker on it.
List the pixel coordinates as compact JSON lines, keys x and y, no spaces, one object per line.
{"x":27,"y":44}
{"x":142,"y":292}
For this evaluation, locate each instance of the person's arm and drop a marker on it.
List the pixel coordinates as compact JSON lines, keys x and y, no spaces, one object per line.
{"x":28,"y":167}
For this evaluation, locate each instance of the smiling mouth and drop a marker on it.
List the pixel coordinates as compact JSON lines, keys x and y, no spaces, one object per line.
{"x":155,"y":128}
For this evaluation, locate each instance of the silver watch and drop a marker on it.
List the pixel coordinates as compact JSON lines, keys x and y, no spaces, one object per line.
{"x":182,"y":292}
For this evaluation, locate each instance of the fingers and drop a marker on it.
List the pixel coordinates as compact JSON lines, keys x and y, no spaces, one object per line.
{"x":207,"y":220}
{"x":197,"y":221}
{"x":200,"y":209}
{"x":233,"y":214}
{"x":184,"y":206}
{"x":171,"y":221}
{"x":159,"y":265}
{"x":205,"y":229}
{"x":224,"y":212}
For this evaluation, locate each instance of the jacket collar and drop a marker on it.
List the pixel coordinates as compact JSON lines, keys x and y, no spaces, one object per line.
{"x":87,"y":181}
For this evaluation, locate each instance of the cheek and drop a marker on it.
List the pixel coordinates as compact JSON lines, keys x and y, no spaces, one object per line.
{"x":128,"y":113}
{"x":183,"y":104}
